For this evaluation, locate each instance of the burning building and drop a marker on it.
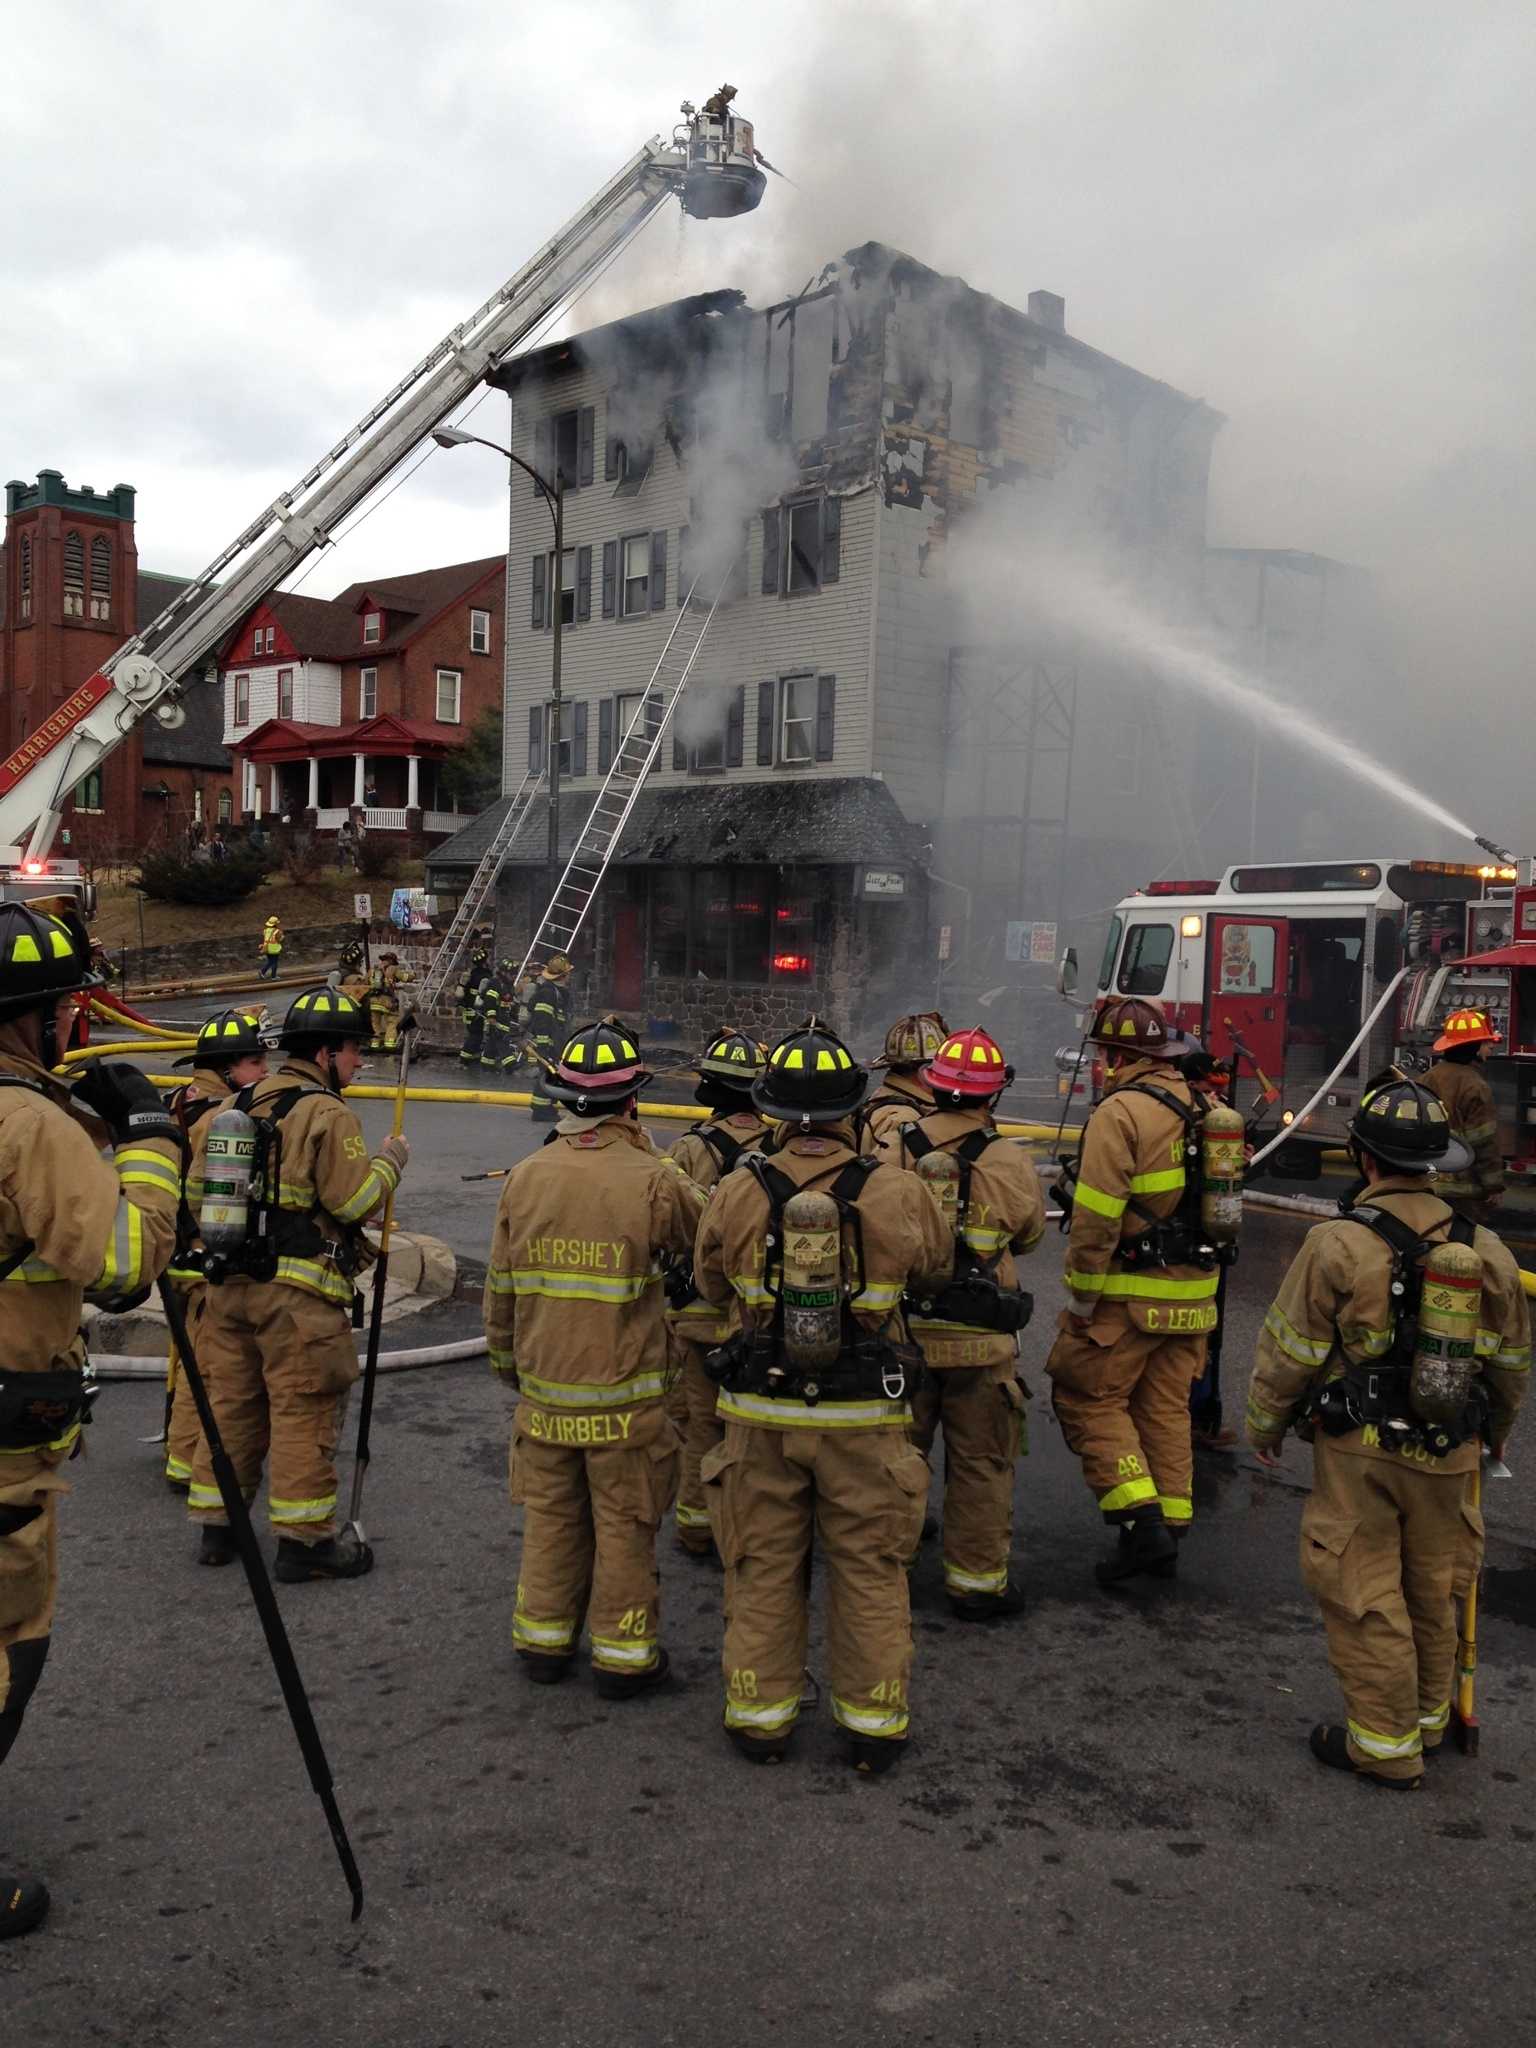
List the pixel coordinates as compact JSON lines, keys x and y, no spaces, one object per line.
{"x":873,"y":766}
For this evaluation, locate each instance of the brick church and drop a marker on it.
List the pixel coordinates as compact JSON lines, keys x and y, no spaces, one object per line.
{"x":71,"y":592}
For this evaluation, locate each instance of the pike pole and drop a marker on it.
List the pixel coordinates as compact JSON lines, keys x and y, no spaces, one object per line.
{"x":376,"y":1310}
{"x":1464,"y":1715}
{"x":279,"y":1648}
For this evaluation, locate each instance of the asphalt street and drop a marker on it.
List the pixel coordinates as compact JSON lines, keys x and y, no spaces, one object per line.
{"x":1107,"y":1826}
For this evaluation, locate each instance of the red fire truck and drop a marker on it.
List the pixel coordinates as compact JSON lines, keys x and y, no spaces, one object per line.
{"x":1328,"y":971}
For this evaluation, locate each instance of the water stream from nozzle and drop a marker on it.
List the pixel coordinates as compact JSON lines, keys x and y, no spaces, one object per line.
{"x":1095,"y":610}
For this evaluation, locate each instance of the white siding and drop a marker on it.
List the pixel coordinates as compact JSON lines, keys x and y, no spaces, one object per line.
{"x":316,"y":695}
{"x":912,"y":641}
{"x":752,"y":638}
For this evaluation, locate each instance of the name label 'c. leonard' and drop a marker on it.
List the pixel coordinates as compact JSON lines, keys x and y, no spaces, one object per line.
{"x":55,"y":727}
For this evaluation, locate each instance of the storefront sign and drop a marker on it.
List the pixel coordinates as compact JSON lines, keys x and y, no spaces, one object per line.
{"x":882,"y":882}
{"x":1030,"y":941}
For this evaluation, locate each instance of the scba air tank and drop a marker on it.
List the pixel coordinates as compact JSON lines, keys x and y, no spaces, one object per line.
{"x":812,"y":1280}
{"x":940,"y":1173}
{"x":229,"y":1159}
{"x":1445,"y":1346}
{"x":1223,"y":1144}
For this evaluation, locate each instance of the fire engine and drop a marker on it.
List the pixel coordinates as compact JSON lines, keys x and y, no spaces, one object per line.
{"x":1328,"y":971}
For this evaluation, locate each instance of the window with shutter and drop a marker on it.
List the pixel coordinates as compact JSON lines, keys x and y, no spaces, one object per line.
{"x":682,"y":564}
{"x":658,"y":572}
{"x":567,"y":598}
{"x":611,"y":447}
{"x":632,"y":730}
{"x":74,"y":576}
{"x":535,"y":739}
{"x":826,"y":716}
{"x":679,"y":751}
{"x":583,"y":583}
{"x":610,"y":578}
{"x":101,"y":577}
{"x":771,"y":552}
{"x":766,"y":691}
{"x":578,"y":737}
{"x":543,"y":453}
{"x":635,"y":459}
{"x":797,"y":721}
{"x":585,"y":438}
{"x":831,"y":540}
{"x":540,"y":577}
{"x":635,"y":585}
{"x":25,"y":573}
{"x":604,"y":734}
{"x":735,"y":720}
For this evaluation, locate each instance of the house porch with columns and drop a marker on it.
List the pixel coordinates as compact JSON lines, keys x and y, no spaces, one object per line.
{"x":386,"y":768}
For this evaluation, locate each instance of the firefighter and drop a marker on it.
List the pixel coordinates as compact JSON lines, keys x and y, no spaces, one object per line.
{"x":549,"y":1016}
{"x":904,"y":1095}
{"x":1389,"y":1535}
{"x":276,"y":1346}
{"x":476,"y":971}
{"x":72,"y":1225}
{"x":1476,"y":1189}
{"x":1131,"y":1340}
{"x":271,"y":948}
{"x":229,"y":1055}
{"x":575,"y":1321}
{"x":498,"y":1015}
{"x":727,"y":1074}
{"x":816,"y":1245}
{"x":992,"y":1200}
{"x":384,"y":987}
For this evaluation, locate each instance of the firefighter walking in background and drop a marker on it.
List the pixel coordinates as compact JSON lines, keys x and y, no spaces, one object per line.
{"x":990,"y":1196}
{"x":1399,"y":1337}
{"x":904,"y":1096}
{"x":575,"y":1321}
{"x":1475,"y":1189}
{"x":275,"y":1341}
{"x":271,"y":947}
{"x":476,"y":972}
{"x":497,"y":1011}
{"x":72,"y":1225}
{"x":816,"y":1245}
{"x":1141,"y":1279}
{"x":548,"y":1020}
{"x":229,"y":1055}
{"x":384,"y":1005}
{"x":727,"y":1074}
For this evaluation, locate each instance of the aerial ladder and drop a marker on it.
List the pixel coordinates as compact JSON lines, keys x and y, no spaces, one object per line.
{"x":711,"y":166}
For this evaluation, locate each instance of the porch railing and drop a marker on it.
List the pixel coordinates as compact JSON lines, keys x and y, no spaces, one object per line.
{"x":385,"y":821}
{"x":332,"y":819}
{"x":444,"y":821}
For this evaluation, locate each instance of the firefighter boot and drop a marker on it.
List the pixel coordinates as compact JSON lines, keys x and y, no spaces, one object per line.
{"x":339,"y":1557}
{"x":988,"y":1606}
{"x":759,"y":1749}
{"x":625,"y":1685}
{"x":540,"y":1669}
{"x":23,"y":1904}
{"x":874,"y":1754}
{"x":1331,"y":1746}
{"x":217,"y":1545}
{"x":1146,"y":1545}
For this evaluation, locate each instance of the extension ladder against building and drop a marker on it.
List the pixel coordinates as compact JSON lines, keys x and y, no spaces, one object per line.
{"x":445,"y":963}
{"x":634,"y":757}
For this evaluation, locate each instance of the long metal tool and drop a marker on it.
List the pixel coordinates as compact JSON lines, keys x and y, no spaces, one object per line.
{"x":1464,"y":1719}
{"x":363,"y":1453}
{"x":268,"y":1613}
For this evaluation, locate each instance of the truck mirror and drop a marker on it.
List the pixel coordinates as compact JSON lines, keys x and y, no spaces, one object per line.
{"x":1066,"y":973}
{"x":1387,"y":955}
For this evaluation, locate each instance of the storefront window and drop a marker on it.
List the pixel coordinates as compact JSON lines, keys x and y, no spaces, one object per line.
{"x":712,"y":924}
{"x":669,"y":922}
{"x":794,"y":934}
{"x":744,"y":925}
{"x":751,"y":923}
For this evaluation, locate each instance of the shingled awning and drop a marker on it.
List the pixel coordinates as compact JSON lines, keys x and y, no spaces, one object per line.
{"x":825,"y":822}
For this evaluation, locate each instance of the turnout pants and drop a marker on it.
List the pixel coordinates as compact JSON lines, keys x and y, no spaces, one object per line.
{"x":384,"y":1018}
{"x":1387,"y":1547}
{"x":278,"y":1362}
{"x":694,"y":1397}
{"x":860,"y":1493}
{"x":496,"y":1049}
{"x":981,"y":1411}
{"x":474,"y":1034}
{"x":1122,"y":1398}
{"x":30,"y":1491}
{"x":185,"y":1432}
{"x":594,"y":1487}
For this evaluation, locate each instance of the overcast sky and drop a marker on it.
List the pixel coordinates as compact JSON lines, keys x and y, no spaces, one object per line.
{"x":230,"y":227}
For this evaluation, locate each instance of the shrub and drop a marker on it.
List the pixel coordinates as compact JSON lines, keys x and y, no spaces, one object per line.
{"x":172,"y":878}
{"x":299,"y":856}
{"x":378,"y":856}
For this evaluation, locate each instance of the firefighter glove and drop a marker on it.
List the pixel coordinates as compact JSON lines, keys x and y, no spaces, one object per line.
{"x":127,"y":1102}
{"x":396,"y":1150}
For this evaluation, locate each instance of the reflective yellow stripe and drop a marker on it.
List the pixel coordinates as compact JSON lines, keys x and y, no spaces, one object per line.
{"x":563,"y":1286}
{"x":1440,"y":1718}
{"x":301,"y":1510}
{"x":177,"y":1468}
{"x":499,"y":1279}
{"x":1476,"y":1133}
{"x":1100,"y":1204}
{"x":876,"y":1295}
{"x":1129,"y":1495}
{"x":549,"y":1635}
{"x":1305,"y":1350}
{"x":888,"y":1721}
{"x":1176,"y":1508}
{"x":501,"y":1361}
{"x":691,"y":1518}
{"x":753,"y":1292}
{"x":380,"y":1180}
{"x":122,"y":1268}
{"x":316,"y":1276}
{"x":762,"y":1714}
{"x":34,"y":1273}
{"x":758,"y":1408}
{"x":1151,"y":1287}
{"x":136,"y":1168}
{"x":1490,"y":1349}
{"x":958,"y":1581}
{"x":1169,"y":1181}
{"x":1385,"y":1746}
{"x":614,"y":1654}
{"x":204,"y":1496}
{"x":1369,"y":1343}
{"x":983,"y":1241}
{"x":644,"y":1386}
{"x":1086,"y":1283}
{"x":1263,"y":1422}
{"x":59,"y":1443}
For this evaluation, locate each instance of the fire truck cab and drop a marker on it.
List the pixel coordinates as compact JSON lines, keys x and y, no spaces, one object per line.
{"x":1293,"y":958}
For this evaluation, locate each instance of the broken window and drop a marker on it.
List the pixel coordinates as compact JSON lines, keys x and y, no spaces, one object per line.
{"x":802,"y":546}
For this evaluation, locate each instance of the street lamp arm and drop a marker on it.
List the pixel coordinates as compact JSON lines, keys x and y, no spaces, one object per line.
{"x":455,"y":437}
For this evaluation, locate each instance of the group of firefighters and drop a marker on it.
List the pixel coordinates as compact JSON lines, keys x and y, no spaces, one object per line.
{"x":768,"y":1327}
{"x":511,"y":1014}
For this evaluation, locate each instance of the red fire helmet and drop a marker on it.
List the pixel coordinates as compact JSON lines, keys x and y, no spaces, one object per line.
{"x":967,"y":1067}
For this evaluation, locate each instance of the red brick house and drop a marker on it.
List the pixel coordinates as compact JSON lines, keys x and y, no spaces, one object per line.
{"x":358,"y":700}
{"x":71,"y":592}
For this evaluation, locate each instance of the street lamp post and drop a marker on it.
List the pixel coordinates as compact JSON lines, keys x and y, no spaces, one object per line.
{"x":554,"y":497}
